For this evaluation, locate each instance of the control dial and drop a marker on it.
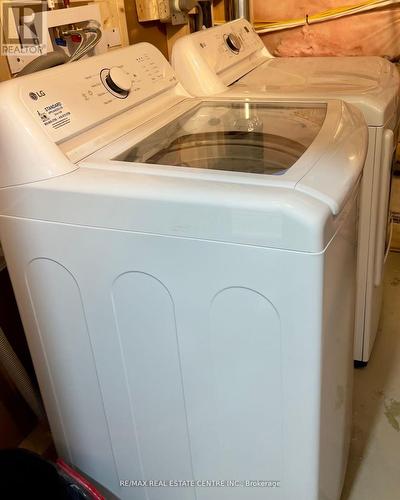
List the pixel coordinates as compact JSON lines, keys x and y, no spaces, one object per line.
{"x":233,"y":42}
{"x":116,"y":81}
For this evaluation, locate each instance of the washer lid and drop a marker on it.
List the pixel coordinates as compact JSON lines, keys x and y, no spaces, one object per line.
{"x":241,"y":137}
{"x":299,"y":207}
{"x":316,"y":148}
{"x":370,"y":83}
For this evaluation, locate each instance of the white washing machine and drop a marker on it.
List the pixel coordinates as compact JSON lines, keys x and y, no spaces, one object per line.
{"x":231,"y":61}
{"x":185,"y":272}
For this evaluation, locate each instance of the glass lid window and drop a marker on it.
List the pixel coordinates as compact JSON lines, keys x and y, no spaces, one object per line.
{"x":260,"y":138}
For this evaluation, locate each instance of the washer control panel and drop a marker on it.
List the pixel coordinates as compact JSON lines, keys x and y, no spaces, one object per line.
{"x":74,"y":97}
{"x":116,"y":81}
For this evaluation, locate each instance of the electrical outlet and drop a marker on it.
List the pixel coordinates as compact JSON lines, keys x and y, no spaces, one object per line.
{"x":179,"y":17}
{"x":170,"y":11}
{"x":164,"y":11}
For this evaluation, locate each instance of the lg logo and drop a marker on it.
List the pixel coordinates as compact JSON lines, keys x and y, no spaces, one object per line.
{"x":35,"y":95}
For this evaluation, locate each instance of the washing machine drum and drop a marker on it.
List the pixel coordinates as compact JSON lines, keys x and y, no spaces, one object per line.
{"x":234,"y":151}
{"x":236,"y":137}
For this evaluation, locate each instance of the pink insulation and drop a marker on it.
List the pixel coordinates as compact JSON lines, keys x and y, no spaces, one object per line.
{"x":370,"y":33}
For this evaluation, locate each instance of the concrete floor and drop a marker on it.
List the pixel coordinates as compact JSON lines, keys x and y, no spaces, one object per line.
{"x":374,"y":464}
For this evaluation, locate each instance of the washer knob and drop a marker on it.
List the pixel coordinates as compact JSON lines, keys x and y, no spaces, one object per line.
{"x":118,"y":81}
{"x":233,"y":42}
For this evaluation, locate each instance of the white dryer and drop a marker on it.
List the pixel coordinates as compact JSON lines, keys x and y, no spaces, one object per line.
{"x":231,"y":61}
{"x":185,"y":272}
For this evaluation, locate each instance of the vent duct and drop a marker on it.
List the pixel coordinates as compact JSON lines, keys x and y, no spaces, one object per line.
{"x":235,"y":9}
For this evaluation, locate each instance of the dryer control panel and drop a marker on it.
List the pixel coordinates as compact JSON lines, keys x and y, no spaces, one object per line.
{"x":223,"y":54}
{"x":69,"y":99}
{"x":228,"y":44}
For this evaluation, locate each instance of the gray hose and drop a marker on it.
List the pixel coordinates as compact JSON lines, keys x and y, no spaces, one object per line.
{"x":44,"y":62}
{"x":200,"y":17}
{"x":12,"y":366}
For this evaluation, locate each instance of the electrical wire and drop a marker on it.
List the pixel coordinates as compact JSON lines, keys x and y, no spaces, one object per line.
{"x":327,"y":15}
{"x":330,"y":13}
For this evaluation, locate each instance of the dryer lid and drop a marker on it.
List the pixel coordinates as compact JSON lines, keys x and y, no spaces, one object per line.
{"x":344,"y":75}
{"x":370,"y":83}
{"x":206,"y":65}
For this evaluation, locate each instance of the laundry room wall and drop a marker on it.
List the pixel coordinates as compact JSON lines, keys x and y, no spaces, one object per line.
{"x":148,"y":31}
{"x":123,"y":15}
{"x":371,"y":33}
{"x":143,"y":20}
{"x":4,"y":69}
{"x":112,"y":14}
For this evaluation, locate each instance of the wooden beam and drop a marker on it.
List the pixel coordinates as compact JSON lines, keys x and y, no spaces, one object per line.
{"x":113,"y":15}
{"x":219,"y":11}
{"x":147,"y":10}
{"x":4,"y":69}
